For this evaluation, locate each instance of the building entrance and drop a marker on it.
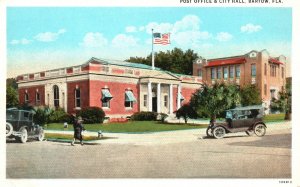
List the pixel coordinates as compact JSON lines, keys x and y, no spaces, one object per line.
{"x":154,"y":104}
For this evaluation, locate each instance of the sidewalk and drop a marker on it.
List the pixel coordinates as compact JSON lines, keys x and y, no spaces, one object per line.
{"x":164,"y":137}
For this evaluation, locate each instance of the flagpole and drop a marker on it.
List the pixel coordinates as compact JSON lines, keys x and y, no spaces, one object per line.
{"x":152,"y":52}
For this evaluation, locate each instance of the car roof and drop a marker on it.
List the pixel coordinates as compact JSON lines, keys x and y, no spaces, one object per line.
{"x":17,"y":110}
{"x":252,"y":107}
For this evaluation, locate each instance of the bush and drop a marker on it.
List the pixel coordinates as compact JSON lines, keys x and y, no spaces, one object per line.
{"x":91,"y":115}
{"x":144,"y":116}
{"x":58,"y":115}
{"x":42,"y":115}
{"x":186,"y":111}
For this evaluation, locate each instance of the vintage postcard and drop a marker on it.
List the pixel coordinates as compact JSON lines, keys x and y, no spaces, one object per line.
{"x":187,"y":89}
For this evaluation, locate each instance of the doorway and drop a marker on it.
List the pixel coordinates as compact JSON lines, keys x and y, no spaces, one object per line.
{"x":154,"y":104}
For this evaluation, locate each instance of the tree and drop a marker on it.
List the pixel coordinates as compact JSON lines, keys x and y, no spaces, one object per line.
{"x":284,"y":101}
{"x":176,"y":60}
{"x":215,"y":99}
{"x":186,"y":111}
{"x":11,"y":97}
{"x":250,"y":95}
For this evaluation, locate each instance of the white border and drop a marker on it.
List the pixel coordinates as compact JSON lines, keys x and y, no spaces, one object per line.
{"x":295,"y":65}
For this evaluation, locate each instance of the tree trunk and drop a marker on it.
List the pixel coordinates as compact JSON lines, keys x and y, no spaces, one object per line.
{"x":185,"y":120}
{"x":288,"y":116}
{"x":213,"y":118}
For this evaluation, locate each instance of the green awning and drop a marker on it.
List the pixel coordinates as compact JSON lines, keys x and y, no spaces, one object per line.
{"x":129,"y":97}
{"x":181,"y":97}
{"x":106,"y":95}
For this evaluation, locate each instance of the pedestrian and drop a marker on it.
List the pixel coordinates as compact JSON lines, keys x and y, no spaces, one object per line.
{"x":78,"y":128}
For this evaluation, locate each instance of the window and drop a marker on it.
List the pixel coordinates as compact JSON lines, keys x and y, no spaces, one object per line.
{"x":56,"y":96}
{"x":265,"y":69}
{"x":145,"y":100}
{"x":37,"y":98}
{"x":166,"y":100}
{"x":106,"y":97}
{"x":77,"y":98}
{"x":272,"y":93}
{"x":225,"y":72}
{"x":213,"y":73}
{"x":231,"y":71}
{"x":199,"y":72}
{"x":129,"y":99}
{"x":282,"y":72}
{"x":237,"y":71}
{"x":253,"y":70}
{"x":265,"y":89}
{"x":26,"y":98}
{"x":219,"y":72}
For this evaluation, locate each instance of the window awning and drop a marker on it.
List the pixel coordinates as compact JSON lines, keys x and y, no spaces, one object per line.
{"x":106,"y":95}
{"x":181,"y":97}
{"x":129,"y":97}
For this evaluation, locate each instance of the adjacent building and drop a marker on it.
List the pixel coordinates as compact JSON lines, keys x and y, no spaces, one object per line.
{"x":259,"y":68}
{"x":119,"y":88}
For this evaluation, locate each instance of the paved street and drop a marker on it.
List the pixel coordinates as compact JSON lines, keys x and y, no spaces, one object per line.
{"x":237,"y":156}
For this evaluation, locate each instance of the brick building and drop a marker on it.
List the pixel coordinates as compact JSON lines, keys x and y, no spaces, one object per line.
{"x":259,"y":68}
{"x":119,"y":88}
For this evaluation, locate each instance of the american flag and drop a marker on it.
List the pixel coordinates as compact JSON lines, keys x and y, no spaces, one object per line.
{"x":163,"y":39}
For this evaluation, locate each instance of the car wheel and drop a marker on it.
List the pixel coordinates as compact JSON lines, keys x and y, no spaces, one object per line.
{"x":24,"y":136}
{"x":41,"y":135}
{"x":249,"y":132}
{"x":219,"y":132}
{"x":9,"y":129}
{"x":260,"y":130}
{"x":209,"y":132}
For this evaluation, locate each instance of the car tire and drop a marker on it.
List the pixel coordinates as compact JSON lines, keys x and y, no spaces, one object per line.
{"x":219,"y":132}
{"x":24,"y":135}
{"x":41,"y":135}
{"x":9,"y":129}
{"x":260,"y":130}
{"x":209,"y":132}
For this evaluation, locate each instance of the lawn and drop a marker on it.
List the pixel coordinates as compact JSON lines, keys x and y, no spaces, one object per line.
{"x":274,"y":117}
{"x":130,"y":127}
{"x":68,"y":136}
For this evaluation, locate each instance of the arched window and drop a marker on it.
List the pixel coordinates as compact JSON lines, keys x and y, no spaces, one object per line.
{"x":26,"y":98}
{"x":56,"y":95}
{"x":77,"y":98}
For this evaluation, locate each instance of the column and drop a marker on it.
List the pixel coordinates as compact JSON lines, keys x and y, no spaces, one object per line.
{"x":149,"y":102}
{"x":171,"y":99}
{"x":158,"y":98}
{"x":178,"y":96}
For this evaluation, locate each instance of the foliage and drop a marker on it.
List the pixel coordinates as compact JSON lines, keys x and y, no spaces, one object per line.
{"x":58,"y":115}
{"x":11,"y":97}
{"x":213,"y":100}
{"x":284,"y":101}
{"x":176,"y":60}
{"x":250,"y":95}
{"x":144,"y":116}
{"x":42,"y":115}
{"x":131,"y":126}
{"x":12,"y":82}
{"x":186,"y":111}
{"x":91,"y":115}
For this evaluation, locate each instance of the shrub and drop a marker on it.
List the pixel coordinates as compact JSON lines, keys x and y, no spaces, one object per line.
{"x":42,"y":115}
{"x":186,"y":111}
{"x":92,"y":114}
{"x":144,"y":116}
{"x":58,"y":115}
{"x":162,"y":117}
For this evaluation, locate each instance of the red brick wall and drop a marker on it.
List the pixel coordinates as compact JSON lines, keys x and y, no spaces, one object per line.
{"x":31,"y":93}
{"x":118,"y":92}
{"x":84,"y":94}
{"x":187,"y":94}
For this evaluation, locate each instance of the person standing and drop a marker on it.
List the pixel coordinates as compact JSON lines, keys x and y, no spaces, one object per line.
{"x":78,"y":128}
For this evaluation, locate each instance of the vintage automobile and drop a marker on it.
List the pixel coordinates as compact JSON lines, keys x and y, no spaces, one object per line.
{"x":241,"y":119}
{"x":19,"y":125}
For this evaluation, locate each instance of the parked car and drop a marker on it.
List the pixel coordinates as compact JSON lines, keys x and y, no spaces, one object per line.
{"x":241,"y":119}
{"x":19,"y":125}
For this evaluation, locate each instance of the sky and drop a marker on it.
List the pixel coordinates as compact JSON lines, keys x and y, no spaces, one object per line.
{"x":39,"y":39}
